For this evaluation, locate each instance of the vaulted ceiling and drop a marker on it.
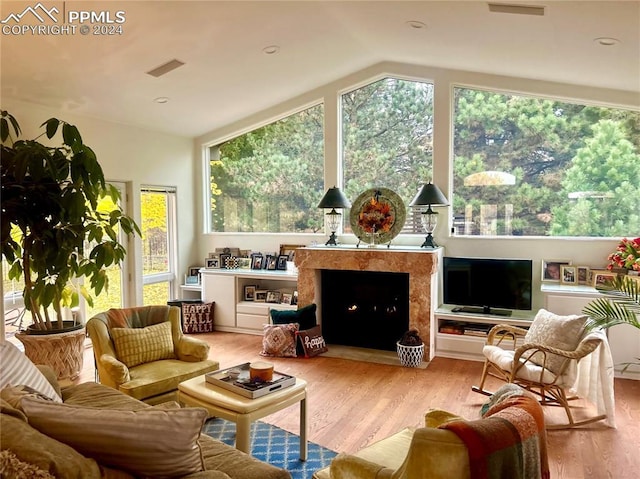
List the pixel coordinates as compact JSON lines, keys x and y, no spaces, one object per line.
{"x":227,"y":75}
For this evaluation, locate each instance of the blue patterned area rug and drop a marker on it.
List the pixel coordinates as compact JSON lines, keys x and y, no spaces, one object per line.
{"x":275,"y":446}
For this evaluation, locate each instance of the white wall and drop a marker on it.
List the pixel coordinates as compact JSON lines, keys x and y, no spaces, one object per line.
{"x":582,"y":251}
{"x":137,"y":157}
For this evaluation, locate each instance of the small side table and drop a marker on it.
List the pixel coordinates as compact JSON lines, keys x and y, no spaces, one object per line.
{"x":243,"y":411}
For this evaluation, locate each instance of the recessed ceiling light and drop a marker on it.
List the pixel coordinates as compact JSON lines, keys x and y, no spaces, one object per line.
{"x":606,"y":41}
{"x":271,"y":50}
{"x":161,"y":99}
{"x":416,"y":24}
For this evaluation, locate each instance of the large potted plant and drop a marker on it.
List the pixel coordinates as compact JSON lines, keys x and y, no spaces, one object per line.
{"x":55,"y":236}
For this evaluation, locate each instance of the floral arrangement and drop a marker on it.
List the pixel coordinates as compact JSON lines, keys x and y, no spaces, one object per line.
{"x":376,"y":216}
{"x":627,"y":255}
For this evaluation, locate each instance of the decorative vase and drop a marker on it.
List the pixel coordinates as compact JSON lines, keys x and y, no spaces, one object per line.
{"x":62,"y":350}
{"x":410,"y":356}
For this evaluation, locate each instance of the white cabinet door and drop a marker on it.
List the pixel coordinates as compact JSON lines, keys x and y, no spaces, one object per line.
{"x":222,"y":290}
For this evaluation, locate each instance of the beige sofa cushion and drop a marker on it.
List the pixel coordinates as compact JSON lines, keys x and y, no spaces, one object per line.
{"x":32,"y":447}
{"x":149,"y":442}
{"x":136,"y":346}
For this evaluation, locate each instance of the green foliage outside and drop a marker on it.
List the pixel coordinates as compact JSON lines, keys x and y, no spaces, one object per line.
{"x":271,"y":179}
{"x":576,"y":167}
{"x":387,"y":134}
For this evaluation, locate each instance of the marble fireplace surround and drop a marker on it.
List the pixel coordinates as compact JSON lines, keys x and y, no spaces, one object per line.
{"x":421,"y":265}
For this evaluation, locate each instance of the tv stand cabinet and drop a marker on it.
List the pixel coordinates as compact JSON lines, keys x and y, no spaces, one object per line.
{"x":462,"y":335}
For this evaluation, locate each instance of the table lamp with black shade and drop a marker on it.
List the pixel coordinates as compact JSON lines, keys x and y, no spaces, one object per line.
{"x":334,"y":198}
{"x":429,"y":195}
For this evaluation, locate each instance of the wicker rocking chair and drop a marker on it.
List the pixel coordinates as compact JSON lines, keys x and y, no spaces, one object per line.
{"x":543,"y":370}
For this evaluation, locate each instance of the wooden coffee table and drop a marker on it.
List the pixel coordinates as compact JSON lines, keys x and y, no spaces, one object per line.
{"x":243,"y":411}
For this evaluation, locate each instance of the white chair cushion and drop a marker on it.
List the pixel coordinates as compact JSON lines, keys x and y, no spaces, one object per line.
{"x":504,"y":360}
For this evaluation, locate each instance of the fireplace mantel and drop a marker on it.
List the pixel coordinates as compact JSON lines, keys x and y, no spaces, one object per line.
{"x":421,"y":265}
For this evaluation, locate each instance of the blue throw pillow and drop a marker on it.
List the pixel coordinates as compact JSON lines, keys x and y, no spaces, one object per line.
{"x":305,"y":317}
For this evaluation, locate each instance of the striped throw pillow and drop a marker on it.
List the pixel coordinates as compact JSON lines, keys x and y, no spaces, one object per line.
{"x":18,"y":370}
{"x":136,"y":346}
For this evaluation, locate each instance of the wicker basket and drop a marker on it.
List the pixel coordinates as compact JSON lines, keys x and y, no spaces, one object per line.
{"x":410,"y":356}
{"x":64,"y":352}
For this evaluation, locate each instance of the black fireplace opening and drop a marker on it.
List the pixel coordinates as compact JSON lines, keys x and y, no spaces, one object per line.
{"x":366,"y":309}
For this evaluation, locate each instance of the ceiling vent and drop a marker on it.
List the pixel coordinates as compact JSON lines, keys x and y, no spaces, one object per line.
{"x":516,"y":9}
{"x":165,"y":68}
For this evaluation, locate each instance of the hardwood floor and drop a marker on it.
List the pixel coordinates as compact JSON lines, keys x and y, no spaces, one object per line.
{"x":352,"y":404}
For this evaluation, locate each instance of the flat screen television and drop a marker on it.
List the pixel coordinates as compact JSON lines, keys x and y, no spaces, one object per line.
{"x":488,"y":286}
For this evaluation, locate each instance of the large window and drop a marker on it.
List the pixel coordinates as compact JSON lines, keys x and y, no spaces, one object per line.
{"x":538,"y":167}
{"x":270,"y":179}
{"x":158,"y":215}
{"x":387,"y":139}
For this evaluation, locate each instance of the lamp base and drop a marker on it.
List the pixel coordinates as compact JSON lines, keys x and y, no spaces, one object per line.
{"x":429,"y":242}
{"x":332,"y":240}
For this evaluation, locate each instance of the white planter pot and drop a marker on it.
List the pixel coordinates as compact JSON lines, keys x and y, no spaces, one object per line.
{"x":410,"y":356}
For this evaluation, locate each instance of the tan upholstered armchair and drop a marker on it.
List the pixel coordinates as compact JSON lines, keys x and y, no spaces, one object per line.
{"x":143,"y":352}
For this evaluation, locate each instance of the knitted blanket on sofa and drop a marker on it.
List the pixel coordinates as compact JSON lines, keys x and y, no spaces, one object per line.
{"x":509,"y":441}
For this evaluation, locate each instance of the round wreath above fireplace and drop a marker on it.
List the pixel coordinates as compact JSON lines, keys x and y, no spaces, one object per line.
{"x":377,"y":215}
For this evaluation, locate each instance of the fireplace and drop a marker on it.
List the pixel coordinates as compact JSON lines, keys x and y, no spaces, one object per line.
{"x":367,"y":309}
{"x":420,"y":264}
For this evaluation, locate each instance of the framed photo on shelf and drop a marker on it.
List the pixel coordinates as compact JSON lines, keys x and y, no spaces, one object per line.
{"x":286,"y":298}
{"x":584,"y":275}
{"x":602,"y":277}
{"x":271,"y":262}
{"x":212,"y":263}
{"x":273,"y":297}
{"x":551,"y":269}
{"x":290,"y":250}
{"x":282,"y":262}
{"x":244,"y":263}
{"x":568,"y":274}
{"x":191,"y":279}
{"x":256,"y":261}
{"x":260,"y":296}
{"x":250,"y":292}
{"x":194,"y":270}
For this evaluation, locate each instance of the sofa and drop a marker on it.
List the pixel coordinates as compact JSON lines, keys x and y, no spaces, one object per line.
{"x":143,"y":353}
{"x":508,"y":442}
{"x":90,"y":431}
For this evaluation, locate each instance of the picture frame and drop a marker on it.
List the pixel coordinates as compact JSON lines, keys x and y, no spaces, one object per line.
{"x":282,"y":262}
{"x":223,"y":260}
{"x":191,"y":280}
{"x":244,"y":263}
{"x":568,"y":274}
{"x":286,"y":298}
{"x":250,"y":292}
{"x":229,"y":251}
{"x":290,"y":250}
{"x":584,"y":275}
{"x":194,"y":271}
{"x":601,"y":276}
{"x":257,"y":261}
{"x":294,"y":298}
{"x":212,"y":263}
{"x":271,"y":262}
{"x":260,"y":296}
{"x":273,"y":297}
{"x":551,"y":269}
